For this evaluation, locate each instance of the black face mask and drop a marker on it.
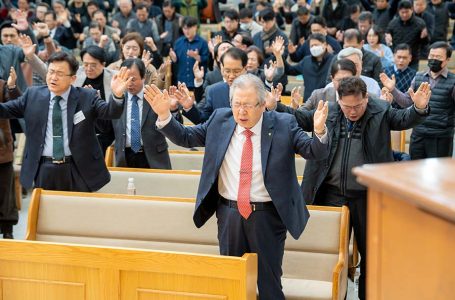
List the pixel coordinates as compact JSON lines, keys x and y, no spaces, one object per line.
{"x":435,"y":65}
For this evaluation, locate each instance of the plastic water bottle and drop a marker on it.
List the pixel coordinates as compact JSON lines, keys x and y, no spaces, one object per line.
{"x":131,"y":189}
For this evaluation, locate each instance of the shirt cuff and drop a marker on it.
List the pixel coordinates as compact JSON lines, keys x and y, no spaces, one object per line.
{"x":160,"y":124}
{"x":324,"y":139}
{"x":198,"y":84}
{"x":118,"y":100}
{"x":421,"y":111}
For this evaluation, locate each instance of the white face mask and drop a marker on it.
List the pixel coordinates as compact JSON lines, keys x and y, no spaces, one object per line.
{"x":317,"y":50}
{"x":244,"y":26}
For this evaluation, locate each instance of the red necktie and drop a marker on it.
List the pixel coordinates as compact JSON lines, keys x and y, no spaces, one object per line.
{"x":246,"y":172}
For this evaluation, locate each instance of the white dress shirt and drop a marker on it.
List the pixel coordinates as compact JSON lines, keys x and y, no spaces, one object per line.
{"x":48,"y":149}
{"x":229,"y":177}
{"x":140,"y":103}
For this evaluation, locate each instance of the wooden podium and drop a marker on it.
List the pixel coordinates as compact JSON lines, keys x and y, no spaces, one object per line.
{"x":411,"y":229}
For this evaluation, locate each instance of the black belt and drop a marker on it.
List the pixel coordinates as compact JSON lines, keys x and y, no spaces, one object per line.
{"x":254,"y":205}
{"x":64,"y":160}
{"x":129,"y":149}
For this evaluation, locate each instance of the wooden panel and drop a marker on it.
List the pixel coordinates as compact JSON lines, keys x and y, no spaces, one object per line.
{"x":143,"y":294}
{"x":23,"y":289}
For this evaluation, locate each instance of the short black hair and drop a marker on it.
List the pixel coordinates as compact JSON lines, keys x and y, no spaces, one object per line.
{"x":237,"y":54}
{"x":142,"y":6}
{"x":231,"y":14}
{"x":444,"y":45}
{"x":352,"y":33}
{"x":95,"y":52}
{"x":168,"y":3}
{"x":92,"y":3}
{"x":404,"y":4}
{"x":130,"y":62}
{"x":267,"y":15}
{"x":402,"y":46}
{"x":64,"y":56}
{"x":302,"y":11}
{"x":189,"y":21}
{"x":344,"y":65}
{"x":354,"y":8}
{"x":317,"y":36}
{"x":258,"y":52}
{"x":366,"y":16}
{"x":319,"y":20}
{"x":52,"y":13}
{"x":7,"y":24}
{"x":352,"y":86}
{"x":247,"y":40}
{"x":43,"y":4}
{"x":245,"y":13}
{"x":377,"y":31}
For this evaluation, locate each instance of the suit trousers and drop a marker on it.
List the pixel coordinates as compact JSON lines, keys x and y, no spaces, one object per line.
{"x":358,"y":217}
{"x":8,"y":210}
{"x":60,"y":177}
{"x":136,"y":160}
{"x":263,"y":233}
{"x":428,"y":147}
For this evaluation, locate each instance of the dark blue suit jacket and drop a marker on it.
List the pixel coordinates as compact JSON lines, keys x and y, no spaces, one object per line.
{"x":33,"y":106}
{"x":281,"y":138}
{"x":216,"y":96}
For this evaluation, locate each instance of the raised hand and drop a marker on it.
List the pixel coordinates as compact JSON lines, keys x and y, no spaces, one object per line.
{"x":184,"y":97}
{"x":278,"y":46}
{"x":387,"y":82}
{"x":218,"y":39}
{"x":163,"y":68}
{"x":11,"y":83}
{"x":42,"y":29}
{"x":295,"y":97}
{"x":174,"y":104}
{"x":120,"y":82}
{"x":146,"y":58}
{"x":103,"y":41}
{"x":269,"y":71}
{"x":422,"y":96}
{"x":386,"y":95}
{"x":25,"y":42}
{"x":151,"y":43}
{"x":198,"y":72}
{"x":159,"y":101}
{"x":320,"y":116}
{"x":172,"y":55}
{"x":21,"y":21}
{"x":193,"y":53}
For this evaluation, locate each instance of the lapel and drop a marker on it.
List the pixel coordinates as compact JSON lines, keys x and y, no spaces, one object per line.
{"x":145,"y":111}
{"x":226,"y":130}
{"x":123,"y":118}
{"x":44,"y":104}
{"x":267,"y":132}
{"x":107,"y":77}
{"x":71,"y":110}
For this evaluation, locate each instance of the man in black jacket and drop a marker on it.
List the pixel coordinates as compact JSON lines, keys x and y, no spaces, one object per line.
{"x":359,"y":129}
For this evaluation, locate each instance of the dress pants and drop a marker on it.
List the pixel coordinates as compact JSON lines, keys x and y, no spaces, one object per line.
{"x":136,"y":160}
{"x":428,"y":147}
{"x":60,"y":177}
{"x":263,"y":233}
{"x":357,"y":205}
{"x":8,"y":210}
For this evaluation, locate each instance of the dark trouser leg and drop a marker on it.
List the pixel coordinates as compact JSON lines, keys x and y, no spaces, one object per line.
{"x":425,"y":147}
{"x":358,"y":213}
{"x":8,"y":210}
{"x":60,"y":177}
{"x":136,"y":160}
{"x":263,"y":233}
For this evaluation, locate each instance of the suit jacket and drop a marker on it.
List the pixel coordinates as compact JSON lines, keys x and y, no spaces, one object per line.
{"x":281,"y":138}
{"x":216,"y":96}
{"x":33,"y":106}
{"x":6,"y":138}
{"x":154,"y":143}
{"x":107,"y":78}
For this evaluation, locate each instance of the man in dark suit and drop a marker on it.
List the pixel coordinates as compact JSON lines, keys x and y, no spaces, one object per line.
{"x":137,"y":142}
{"x":250,"y":184}
{"x":62,"y":152}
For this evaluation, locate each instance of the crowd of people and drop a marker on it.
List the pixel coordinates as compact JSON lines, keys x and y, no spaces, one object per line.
{"x":78,"y":76}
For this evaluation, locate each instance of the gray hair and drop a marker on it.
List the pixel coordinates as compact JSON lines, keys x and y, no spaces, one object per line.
{"x":348,"y":52}
{"x":246,"y":81}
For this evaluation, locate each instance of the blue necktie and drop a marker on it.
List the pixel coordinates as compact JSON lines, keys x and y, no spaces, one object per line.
{"x":57,"y":130}
{"x":135,"y":125}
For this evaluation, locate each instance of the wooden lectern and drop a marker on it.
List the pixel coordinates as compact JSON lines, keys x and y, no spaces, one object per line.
{"x":411,"y":229}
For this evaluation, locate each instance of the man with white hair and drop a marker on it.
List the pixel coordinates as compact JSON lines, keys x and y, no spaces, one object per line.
{"x":355,"y":55}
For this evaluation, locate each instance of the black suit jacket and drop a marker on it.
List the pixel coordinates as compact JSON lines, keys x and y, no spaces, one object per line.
{"x":33,"y":106}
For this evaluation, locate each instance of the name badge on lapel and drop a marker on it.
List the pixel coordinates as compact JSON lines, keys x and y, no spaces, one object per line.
{"x":78,"y":117}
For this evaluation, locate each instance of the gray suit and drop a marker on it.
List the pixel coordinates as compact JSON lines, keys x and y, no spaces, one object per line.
{"x":107,"y":78}
{"x":154,"y":143}
{"x":327,"y":93}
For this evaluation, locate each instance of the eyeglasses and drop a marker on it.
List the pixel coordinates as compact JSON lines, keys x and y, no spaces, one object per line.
{"x":90,"y":65}
{"x":58,"y":73}
{"x":234,"y":72}
{"x":355,"y":107}
{"x":246,"y":106}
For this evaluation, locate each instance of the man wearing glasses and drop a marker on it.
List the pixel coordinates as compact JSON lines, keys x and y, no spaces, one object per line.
{"x":248,"y":177}
{"x":359,"y":129}
{"x":62,"y":151}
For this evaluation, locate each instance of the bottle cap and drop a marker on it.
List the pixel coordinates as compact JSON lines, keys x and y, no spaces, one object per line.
{"x":131,"y":179}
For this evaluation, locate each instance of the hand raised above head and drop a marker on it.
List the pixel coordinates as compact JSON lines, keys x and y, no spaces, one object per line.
{"x":422,"y":96}
{"x":388,"y":82}
{"x":320,"y":117}
{"x":159,"y":101}
{"x":11,"y":83}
